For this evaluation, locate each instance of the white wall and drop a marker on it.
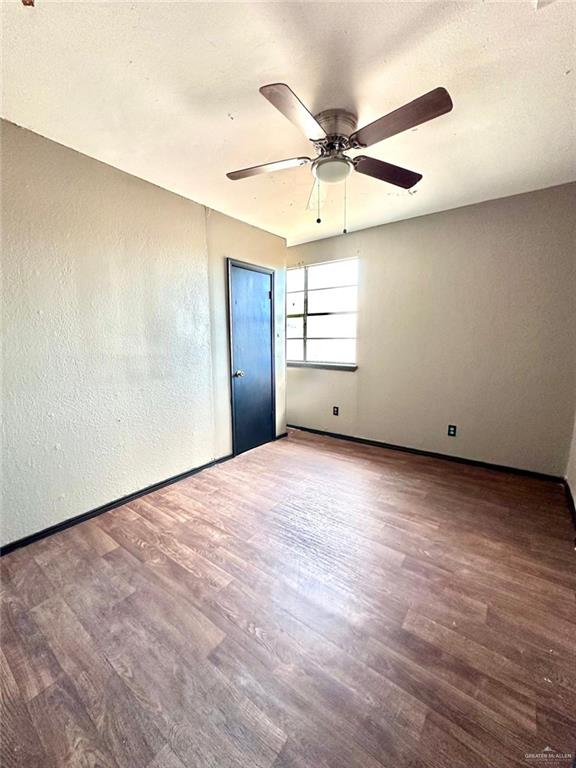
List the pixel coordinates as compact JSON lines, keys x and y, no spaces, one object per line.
{"x":115,"y":367}
{"x":466,"y":317}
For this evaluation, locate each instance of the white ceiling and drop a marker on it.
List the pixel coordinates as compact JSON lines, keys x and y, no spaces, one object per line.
{"x":168,"y":91}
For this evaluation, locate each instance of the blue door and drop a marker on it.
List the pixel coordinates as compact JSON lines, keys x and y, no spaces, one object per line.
{"x":251,"y":292}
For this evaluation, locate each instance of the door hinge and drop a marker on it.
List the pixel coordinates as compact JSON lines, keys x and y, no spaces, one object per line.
{"x":270,"y":295}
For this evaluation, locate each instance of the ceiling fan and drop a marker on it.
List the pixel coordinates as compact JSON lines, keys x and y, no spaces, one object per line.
{"x":333,"y":132}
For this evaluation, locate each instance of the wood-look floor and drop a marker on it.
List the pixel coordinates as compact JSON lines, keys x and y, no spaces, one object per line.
{"x":311,"y":604}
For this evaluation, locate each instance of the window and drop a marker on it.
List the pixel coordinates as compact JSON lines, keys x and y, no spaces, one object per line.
{"x":321,"y":310}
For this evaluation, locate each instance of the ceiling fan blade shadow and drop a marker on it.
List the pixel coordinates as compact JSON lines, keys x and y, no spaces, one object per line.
{"x":426,"y":107}
{"x":279,"y":165}
{"x":285,"y":100}
{"x":392,"y":174}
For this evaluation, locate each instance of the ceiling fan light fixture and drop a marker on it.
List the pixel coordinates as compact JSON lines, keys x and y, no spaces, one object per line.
{"x":331,"y":170}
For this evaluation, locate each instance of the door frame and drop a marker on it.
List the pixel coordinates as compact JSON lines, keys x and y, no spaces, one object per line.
{"x":267,"y":271}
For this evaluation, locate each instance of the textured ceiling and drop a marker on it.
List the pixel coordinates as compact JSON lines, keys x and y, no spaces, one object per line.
{"x":168,"y":91}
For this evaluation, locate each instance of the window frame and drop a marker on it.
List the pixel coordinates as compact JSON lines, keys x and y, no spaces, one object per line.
{"x":334,"y":366}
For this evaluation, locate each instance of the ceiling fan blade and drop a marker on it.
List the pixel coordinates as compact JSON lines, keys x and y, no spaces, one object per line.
{"x":422,"y":109}
{"x":279,"y":165}
{"x":286,"y":101}
{"x":393,"y":174}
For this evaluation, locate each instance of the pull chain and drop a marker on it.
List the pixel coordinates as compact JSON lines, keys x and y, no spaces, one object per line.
{"x":318,"y":220}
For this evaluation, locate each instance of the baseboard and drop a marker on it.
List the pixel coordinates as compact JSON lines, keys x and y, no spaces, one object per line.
{"x":106,"y":507}
{"x":432,"y":454}
{"x":7,"y":548}
{"x":570,"y":502}
{"x":4,"y":550}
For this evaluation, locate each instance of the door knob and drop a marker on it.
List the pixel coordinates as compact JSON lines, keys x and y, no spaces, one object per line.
{"x":239,"y":373}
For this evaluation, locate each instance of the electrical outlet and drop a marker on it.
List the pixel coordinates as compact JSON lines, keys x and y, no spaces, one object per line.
{"x":451,"y":430}
{"x":335,"y":410}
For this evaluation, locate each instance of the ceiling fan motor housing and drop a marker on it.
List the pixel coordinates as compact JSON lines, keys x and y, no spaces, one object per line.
{"x":337,"y":122}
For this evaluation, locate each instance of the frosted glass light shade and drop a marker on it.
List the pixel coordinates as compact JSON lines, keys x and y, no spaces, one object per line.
{"x":332,"y":169}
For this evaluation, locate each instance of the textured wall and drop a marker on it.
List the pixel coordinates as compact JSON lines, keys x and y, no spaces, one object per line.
{"x":109,"y":365}
{"x":466,"y":317}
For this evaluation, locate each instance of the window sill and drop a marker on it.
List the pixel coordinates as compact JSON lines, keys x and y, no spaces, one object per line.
{"x":326,"y":366}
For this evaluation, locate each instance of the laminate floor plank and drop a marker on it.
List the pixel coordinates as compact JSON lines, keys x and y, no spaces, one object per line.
{"x":309,"y":733}
{"x":29,"y":656}
{"x":25,"y":577}
{"x":120,"y":722}
{"x":313,"y":603}
{"x":166,"y":759}
{"x":20,"y":746}
{"x":68,"y":735}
